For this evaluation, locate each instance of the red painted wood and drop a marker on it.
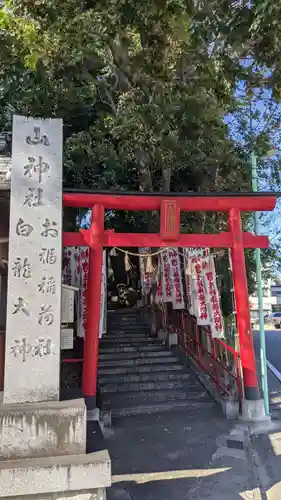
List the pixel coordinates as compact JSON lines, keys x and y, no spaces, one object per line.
{"x":252,"y":241}
{"x":97,"y":238}
{"x":169,"y":220}
{"x":91,"y":341}
{"x":192,"y":204}
{"x":111,"y":239}
{"x":242,"y":304}
{"x":73,"y":240}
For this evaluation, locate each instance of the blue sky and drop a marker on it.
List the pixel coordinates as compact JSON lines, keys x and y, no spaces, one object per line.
{"x":263,"y":111}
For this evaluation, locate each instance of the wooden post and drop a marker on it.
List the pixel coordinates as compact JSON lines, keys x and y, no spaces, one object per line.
{"x":91,"y":342}
{"x":247,"y":353}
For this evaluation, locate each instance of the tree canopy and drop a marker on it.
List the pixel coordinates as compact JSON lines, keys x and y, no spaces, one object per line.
{"x":140,"y":87}
{"x":143,"y":88}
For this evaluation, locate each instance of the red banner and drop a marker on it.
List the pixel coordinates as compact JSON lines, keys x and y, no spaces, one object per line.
{"x":82,"y":270}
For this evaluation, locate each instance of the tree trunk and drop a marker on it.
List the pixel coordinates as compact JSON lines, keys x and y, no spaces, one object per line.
{"x":166,"y":179}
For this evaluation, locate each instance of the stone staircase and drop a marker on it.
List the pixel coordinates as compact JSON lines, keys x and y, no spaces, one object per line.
{"x":138,"y":374}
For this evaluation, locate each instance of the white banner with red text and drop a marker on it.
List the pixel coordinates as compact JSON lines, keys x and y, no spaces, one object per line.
{"x":213,"y":299}
{"x":82,"y":271}
{"x":203,"y":300}
{"x":145,"y":276}
{"x":159,"y":289}
{"x":172,"y":287}
{"x":198,"y":298}
{"x":103,"y":302}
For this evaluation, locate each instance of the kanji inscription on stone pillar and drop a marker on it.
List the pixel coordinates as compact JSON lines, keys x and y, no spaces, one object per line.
{"x":32,"y":356}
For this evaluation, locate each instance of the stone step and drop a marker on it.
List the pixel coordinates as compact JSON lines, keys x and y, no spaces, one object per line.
{"x":148,"y":386}
{"x":121,"y":399}
{"x":129,"y":341}
{"x":138,"y":376}
{"x":125,"y":319}
{"x":144,"y":339}
{"x":133,"y":355}
{"x":128,"y":324}
{"x":125,"y":339}
{"x":124,"y":333}
{"x":150,"y":377}
{"x":135,"y":369}
{"x":164,"y":407}
{"x":136,"y":362}
{"x":129,"y":320}
{"x":129,"y":349}
{"x":125,"y":311}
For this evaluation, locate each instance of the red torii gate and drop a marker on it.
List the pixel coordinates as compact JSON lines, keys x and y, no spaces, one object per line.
{"x":170,"y":205}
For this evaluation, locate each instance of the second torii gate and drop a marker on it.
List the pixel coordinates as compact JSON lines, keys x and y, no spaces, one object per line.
{"x":170,"y":205}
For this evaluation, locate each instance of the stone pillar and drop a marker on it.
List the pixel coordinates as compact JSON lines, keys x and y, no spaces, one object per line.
{"x":34,"y":424}
{"x":35,"y":253}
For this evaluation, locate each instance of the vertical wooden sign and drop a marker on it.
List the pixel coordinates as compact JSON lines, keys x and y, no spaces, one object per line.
{"x":170,"y":220}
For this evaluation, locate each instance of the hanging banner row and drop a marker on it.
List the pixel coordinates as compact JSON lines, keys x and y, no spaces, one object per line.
{"x":197,"y":268}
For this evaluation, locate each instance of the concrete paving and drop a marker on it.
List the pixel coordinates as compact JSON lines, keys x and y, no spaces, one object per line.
{"x":266,"y":452}
{"x":266,"y":447}
{"x":178,"y":456}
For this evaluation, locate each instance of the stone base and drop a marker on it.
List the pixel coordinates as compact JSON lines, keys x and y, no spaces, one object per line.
{"x":106,"y":418}
{"x":172,"y":340}
{"x":162,"y":335}
{"x":264,"y":427}
{"x":230,"y":408}
{"x":93,"y":415}
{"x":99,"y":494}
{"x":253,"y":411}
{"x":72,"y":478}
{"x":31,"y":430}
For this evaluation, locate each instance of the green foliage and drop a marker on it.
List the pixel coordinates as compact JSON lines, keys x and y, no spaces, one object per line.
{"x":143,"y":89}
{"x":141,"y":98}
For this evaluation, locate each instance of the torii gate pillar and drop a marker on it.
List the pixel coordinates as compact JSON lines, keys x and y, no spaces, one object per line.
{"x":247,"y":352}
{"x":91,"y":342}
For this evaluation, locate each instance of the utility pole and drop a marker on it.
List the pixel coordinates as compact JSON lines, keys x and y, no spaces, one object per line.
{"x":260,"y":292}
